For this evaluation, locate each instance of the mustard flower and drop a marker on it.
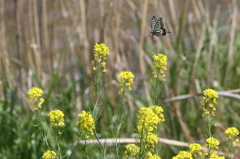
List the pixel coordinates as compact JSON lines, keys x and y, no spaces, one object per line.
{"x":215,"y":156}
{"x":149,"y":155}
{"x":195,"y":149}
{"x":183,"y":155}
{"x":212,"y":143}
{"x":56,"y":118}
{"x":100,"y":55}
{"x":210,"y":97}
{"x":132,"y":150}
{"x":231,"y":133}
{"x":149,"y":118}
{"x":126,"y":79}
{"x":49,"y":154}
{"x":149,"y":139}
{"x":35,"y":95}
{"x":159,"y":66}
{"x":85,"y":125}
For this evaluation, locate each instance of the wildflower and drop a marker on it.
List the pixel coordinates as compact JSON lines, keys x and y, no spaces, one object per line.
{"x":149,"y":155}
{"x":148,"y":119}
{"x":231,"y":133}
{"x":212,"y":143}
{"x":49,"y":154}
{"x":234,"y":143}
{"x":56,"y":118}
{"x":149,"y":139}
{"x":195,"y":149}
{"x":159,"y":65}
{"x":215,"y":156}
{"x":183,"y":155}
{"x":210,"y":97}
{"x":100,"y":55}
{"x":126,"y":79}
{"x":132,"y":149}
{"x":35,"y":95}
{"x":86,"y":125}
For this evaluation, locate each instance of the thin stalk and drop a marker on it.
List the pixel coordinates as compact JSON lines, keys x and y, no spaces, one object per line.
{"x":74,"y":149}
{"x":121,"y":115}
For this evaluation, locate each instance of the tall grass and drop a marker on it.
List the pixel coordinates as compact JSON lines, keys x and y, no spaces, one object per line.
{"x":49,"y":44}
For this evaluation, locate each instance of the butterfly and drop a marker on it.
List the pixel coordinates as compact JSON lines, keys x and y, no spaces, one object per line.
{"x":158,"y":27}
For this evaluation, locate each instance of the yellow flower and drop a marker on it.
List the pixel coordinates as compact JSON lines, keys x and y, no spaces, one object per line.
{"x":126,"y":79}
{"x":234,"y":143}
{"x":195,"y":149}
{"x":100,"y":55}
{"x":49,"y":154}
{"x":148,"y":119}
{"x":35,"y":95}
{"x":159,"y":65}
{"x":86,"y":125}
{"x":56,"y":118}
{"x":210,"y":97}
{"x":215,"y":156}
{"x":183,"y":155}
{"x":132,"y":150}
{"x":212,"y":143}
{"x":230,"y":132}
{"x":149,"y":155}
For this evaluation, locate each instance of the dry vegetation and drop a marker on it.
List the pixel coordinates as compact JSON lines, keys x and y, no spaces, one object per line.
{"x":49,"y":44}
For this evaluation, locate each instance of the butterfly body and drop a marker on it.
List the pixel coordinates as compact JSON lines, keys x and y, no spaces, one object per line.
{"x":158,"y":27}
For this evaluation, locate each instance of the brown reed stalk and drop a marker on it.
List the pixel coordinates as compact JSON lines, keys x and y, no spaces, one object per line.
{"x":18,"y":40}
{"x":232,"y":34}
{"x":84,"y":36}
{"x":45,"y":35}
{"x":141,"y":52}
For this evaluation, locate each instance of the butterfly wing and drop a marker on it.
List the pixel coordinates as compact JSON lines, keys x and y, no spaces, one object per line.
{"x":161,"y":22}
{"x":158,"y":24}
{"x":158,"y":27}
{"x":154,"y":22}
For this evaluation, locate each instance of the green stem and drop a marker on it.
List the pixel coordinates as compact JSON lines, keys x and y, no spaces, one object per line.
{"x":120,"y":119}
{"x":74,"y":149}
{"x":103,"y":149}
{"x":155,"y":91}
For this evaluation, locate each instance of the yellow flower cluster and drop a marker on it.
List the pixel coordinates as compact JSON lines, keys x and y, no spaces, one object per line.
{"x":86,"y":125}
{"x":100,"y":55}
{"x":231,"y":133}
{"x":148,"y":119}
{"x":35,"y":95}
{"x":195,"y":149}
{"x":132,"y":149}
{"x":149,"y":155}
{"x":183,"y":155}
{"x":49,"y":154}
{"x":215,"y":156}
{"x":159,"y":65}
{"x":126,"y":79}
{"x":210,"y":97}
{"x":212,"y":143}
{"x":56,"y":118}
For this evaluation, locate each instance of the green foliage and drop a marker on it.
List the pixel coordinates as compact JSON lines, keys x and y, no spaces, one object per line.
{"x":19,"y":136}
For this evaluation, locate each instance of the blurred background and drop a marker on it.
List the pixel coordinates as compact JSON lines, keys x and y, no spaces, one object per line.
{"x":49,"y":44}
